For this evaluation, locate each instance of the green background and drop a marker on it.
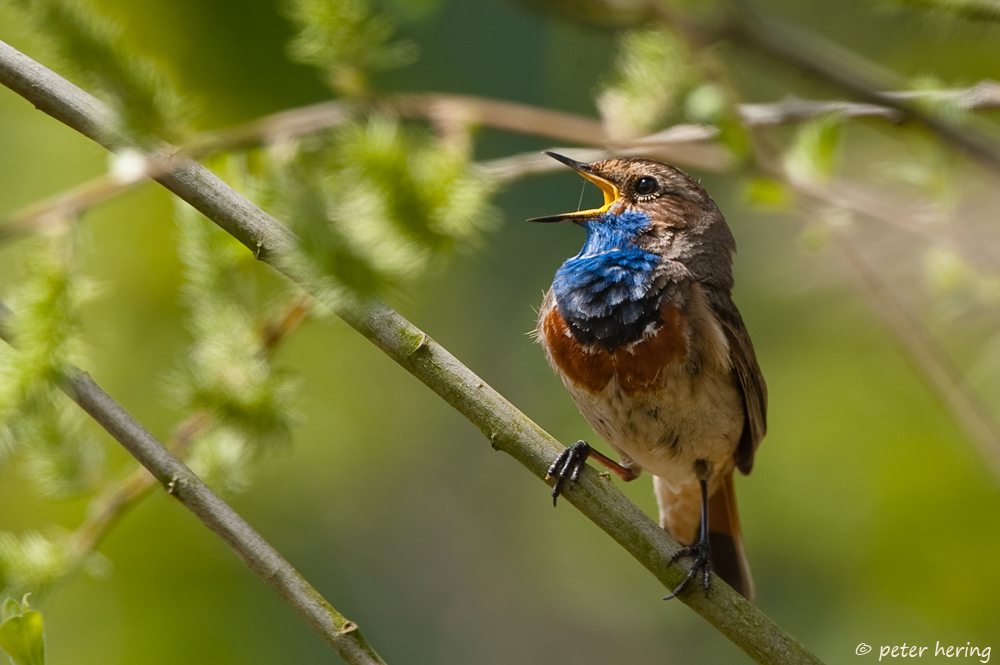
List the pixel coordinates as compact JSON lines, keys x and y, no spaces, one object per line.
{"x":868,"y":518}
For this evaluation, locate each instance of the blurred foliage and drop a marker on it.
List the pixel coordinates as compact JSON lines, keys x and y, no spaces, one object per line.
{"x":766,"y":193}
{"x":226,"y":372}
{"x":652,"y":73}
{"x":377,"y":203}
{"x":33,"y":561}
{"x":35,"y":417}
{"x":347,"y":40}
{"x":137,"y":89}
{"x":863,"y":475}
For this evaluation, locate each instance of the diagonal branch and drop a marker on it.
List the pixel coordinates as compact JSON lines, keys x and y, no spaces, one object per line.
{"x":342,"y":635}
{"x":506,"y":428}
{"x":983,"y":96}
{"x":111,"y":506}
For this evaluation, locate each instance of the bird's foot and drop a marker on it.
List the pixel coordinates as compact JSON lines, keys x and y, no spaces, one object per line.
{"x":567,"y":467}
{"x":700,"y":552}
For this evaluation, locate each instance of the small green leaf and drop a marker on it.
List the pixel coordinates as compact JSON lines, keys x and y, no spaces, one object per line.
{"x":816,"y":152}
{"x":23,"y":638}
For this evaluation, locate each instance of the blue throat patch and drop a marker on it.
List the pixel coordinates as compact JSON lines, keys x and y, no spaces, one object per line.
{"x":604,"y":292}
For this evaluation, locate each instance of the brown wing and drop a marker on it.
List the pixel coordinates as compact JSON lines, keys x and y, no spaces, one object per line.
{"x":748,"y":377}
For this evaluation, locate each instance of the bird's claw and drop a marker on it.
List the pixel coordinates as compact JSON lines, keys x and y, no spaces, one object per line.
{"x":700,"y":552}
{"x":567,"y":467}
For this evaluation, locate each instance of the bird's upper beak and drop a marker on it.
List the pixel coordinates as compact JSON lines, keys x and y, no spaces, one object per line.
{"x":586,"y":170}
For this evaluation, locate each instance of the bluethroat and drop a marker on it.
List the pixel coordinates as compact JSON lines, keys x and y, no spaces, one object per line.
{"x":642,"y":329}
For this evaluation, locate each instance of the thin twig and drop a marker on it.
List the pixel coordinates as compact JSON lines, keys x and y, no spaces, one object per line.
{"x":341,"y":634}
{"x":506,"y":428}
{"x":983,"y":96}
{"x":109,"y":508}
{"x":561,"y":126}
{"x":697,"y":152}
{"x":131,"y":169}
{"x":687,"y":145}
{"x":925,"y":353}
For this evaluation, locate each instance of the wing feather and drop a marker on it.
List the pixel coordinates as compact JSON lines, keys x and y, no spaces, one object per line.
{"x":749,"y":378}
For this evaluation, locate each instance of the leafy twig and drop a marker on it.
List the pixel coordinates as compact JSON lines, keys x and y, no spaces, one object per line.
{"x":341,"y":634}
{"x":105,"y":511}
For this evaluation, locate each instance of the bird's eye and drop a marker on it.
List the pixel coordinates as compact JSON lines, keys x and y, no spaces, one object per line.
{"x":646,"y":185}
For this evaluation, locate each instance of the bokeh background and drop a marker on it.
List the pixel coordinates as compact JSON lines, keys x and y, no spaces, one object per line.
{"x":869,"y":517}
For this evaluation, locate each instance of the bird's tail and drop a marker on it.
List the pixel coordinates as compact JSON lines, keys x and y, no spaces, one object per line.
{"x":729,"y":559}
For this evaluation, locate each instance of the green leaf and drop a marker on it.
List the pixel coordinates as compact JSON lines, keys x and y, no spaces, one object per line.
{"x":816,"y":152}
{"x":23,"y":638}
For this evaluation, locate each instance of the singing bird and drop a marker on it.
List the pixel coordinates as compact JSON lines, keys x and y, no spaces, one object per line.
{"x":642,"y":329}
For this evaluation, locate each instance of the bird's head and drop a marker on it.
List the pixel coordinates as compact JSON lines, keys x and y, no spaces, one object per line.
{"x":653,"y":199}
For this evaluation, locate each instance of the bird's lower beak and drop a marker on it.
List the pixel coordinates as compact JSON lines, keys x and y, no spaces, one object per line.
{"x":607,"y":187}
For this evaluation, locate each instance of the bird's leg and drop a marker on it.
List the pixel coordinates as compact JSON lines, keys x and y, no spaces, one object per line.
{"x":569,"y":464}
{"x":699,"y":551}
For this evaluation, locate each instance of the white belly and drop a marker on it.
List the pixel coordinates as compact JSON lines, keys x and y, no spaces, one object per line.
{"x":664,"y":432}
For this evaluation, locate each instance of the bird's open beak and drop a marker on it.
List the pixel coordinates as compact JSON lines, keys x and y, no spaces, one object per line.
{"x":607,"y":187}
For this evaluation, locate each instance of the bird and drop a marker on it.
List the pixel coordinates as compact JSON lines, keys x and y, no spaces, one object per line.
{"x":642,"y":329}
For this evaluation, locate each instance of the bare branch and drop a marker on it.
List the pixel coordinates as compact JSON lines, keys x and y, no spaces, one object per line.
{"x":506,"y":428}
{"x":984,"y":96}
